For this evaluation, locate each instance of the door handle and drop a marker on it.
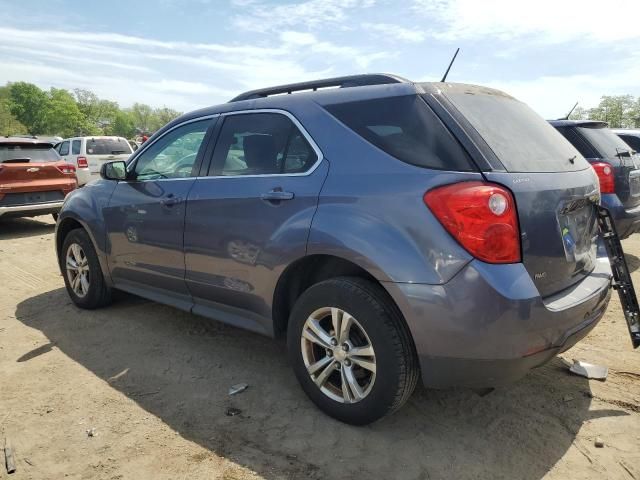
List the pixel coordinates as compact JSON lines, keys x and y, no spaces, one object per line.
{"x":170,"y":200}
{"x":277,"y":196}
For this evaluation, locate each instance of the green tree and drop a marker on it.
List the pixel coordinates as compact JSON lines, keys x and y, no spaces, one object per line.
{"x":616,"y":110}
{"x":99,"y":113}
{"x":123,"y":125}
{"x":579,"y":113}
{"x":28,"y":104}
{"x":142,"y":117}
{"x":9,"y":124}
{"x":62,"y":115}
{"x":164,"y":115}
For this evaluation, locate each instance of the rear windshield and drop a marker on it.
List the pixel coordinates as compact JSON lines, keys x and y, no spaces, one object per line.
{"x":406,"y":128}
{"x":32,"y":153}
{"x":607,"y":143}
{"x":107,"y":146}
{"x":521,"y":139}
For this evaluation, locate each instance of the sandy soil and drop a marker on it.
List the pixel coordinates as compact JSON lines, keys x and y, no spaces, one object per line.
{"x":152,"y":381}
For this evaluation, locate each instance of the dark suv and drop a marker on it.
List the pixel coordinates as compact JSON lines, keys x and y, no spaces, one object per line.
{"x":617,"y":167}
{"x":389,"y":229}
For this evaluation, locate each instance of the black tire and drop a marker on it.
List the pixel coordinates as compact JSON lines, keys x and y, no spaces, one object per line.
{"x":98,"y":293}
{"x":395,"y":357}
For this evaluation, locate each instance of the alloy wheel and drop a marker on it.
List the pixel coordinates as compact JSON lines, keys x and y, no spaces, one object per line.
{"x":338,"y":355}
{"x":77,"y":265}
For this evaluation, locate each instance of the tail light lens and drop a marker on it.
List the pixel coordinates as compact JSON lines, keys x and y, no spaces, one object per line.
{"x":82,"y":162}
{"x":481,"y":216}
{"x":67,"y":169}
{"x":604,"y":171}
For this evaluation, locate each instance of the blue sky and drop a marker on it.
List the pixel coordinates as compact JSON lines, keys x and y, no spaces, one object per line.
{"x":186,"y":54}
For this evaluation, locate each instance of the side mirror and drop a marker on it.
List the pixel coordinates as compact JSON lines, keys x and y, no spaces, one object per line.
{"x":114,"y":170}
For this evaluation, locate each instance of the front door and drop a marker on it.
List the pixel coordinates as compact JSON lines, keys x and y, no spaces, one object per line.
{"x":145,"y":216}
{"x":250,"y":216}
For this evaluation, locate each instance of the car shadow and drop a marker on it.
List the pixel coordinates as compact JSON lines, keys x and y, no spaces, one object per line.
{"x":633,"y":262}
{"x":24,"y":227}
{"x":179,"y":368}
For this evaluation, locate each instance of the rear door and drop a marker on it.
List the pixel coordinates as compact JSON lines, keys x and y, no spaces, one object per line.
{"x":249,"y":216}
{"x":553,"y":185}
{"x":100,"y":150}
{"x":145,"y":216}
{"x":32,"y":174}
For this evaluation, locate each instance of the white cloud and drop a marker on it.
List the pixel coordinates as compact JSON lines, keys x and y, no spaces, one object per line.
{"x":397,"y":32}
{"x":547,"y":20}
{"x":263,"y":17}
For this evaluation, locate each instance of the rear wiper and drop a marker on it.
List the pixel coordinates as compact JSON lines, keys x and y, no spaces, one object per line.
{"x":118,"y":152}
{"x":17,"y":160}
{"x":623,"y":153}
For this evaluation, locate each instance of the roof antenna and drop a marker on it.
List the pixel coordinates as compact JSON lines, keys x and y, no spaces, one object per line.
{"x":444,"y":78}
{"x":566,"y":117}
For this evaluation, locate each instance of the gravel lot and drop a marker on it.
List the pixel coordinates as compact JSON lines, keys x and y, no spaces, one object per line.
{"x":152,"y":382}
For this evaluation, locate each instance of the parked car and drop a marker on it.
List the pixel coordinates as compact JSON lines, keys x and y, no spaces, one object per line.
{"x":389,"y":229}
{"x":630,"y":136}
{"x":616,"y":165}
{"x":88,"y":154}
{"x":33,"y":178}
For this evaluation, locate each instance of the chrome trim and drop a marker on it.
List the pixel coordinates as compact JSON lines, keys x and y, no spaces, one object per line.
{"x":286,"y":113}
{"x":32,"y":207}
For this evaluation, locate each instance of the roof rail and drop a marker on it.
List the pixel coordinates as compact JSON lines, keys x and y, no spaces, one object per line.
{"x":342,"y":82}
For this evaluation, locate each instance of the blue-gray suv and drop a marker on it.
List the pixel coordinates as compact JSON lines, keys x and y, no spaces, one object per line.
{"x":389,"y":230}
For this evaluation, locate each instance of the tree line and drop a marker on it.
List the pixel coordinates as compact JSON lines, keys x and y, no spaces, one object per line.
{"x":619,"y":111}
{"x":26,"y":109}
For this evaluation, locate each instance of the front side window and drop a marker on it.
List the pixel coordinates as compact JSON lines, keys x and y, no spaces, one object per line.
{"x":75,"y":147}
{"x":173,"y":155}
{"x":64,"y":148}
{"x":261,"y":144}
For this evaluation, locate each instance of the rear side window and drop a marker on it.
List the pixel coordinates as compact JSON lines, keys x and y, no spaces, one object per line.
{"x":261,"y":144}
{"x":521,"y":139}
{"x":75,"y":147}
{"x":32,"y":153}
{"x":107,"y":146}
{"x":64,"y":148}
{"x":405,"y":128}
{"x":577,"y":141}
{"x":632,"y":141}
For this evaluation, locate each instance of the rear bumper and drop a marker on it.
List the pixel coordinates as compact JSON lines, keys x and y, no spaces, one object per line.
{"x":627,"y":220}
{"x":489,"y":326}
{"x":31,"y":210}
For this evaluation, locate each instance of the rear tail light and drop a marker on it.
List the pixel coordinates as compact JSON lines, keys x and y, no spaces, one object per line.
{"x":67,"y":169}
{"x":82,"y":162}
{"x":604,"y":171}
{"x":481,"y":216}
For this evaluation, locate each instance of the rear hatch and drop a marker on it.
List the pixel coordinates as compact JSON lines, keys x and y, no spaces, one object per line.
{"x":32,"y":173}
{"x":100,"y":150}
{"x":607,"y":146}
{"x":554,"y":187}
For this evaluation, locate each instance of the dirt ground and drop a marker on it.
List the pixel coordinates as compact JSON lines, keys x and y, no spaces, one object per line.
{"x":152,"y":383}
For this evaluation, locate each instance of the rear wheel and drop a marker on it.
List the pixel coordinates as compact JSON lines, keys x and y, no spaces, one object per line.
{"x":82,"y":273}
{"x":351,"y":350}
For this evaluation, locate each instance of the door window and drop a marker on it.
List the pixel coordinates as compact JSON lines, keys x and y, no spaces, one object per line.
{"x":173,"y":155}
{"x":64,"y":148}
{"x":261,"y":144}
{"x":75,"y":147}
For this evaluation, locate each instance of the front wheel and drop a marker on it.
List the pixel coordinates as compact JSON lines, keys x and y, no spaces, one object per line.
{"x":82,"y":273}
{"x":351,"y":350}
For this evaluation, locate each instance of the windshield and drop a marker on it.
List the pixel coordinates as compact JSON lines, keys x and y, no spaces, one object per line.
{"x":107,"y":146}
{"x":520,"y":138}
{"x":607,"y":143}
{"x":33,"y":153}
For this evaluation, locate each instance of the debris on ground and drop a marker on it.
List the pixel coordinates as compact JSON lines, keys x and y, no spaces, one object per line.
{"x":589,"y":370}
{"x":232,"y":412}
{"x":91,"y":432}
{"x":240,"y":387}
{"x":598,"y":442}
{"x":567,"y":398}
{"x":9,"y":459}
